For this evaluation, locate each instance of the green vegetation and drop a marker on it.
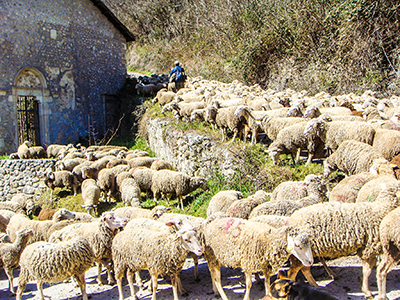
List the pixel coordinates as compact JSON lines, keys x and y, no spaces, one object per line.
{"x":334,"y":46}
{"x":4,"y":156}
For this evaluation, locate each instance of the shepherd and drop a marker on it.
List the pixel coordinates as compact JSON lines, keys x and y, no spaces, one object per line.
{"x":178,"y":77}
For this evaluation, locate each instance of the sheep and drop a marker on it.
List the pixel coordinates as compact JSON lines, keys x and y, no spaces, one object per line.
{"x":37,"y":152}
{"x":23,"y":150}
{"x":225,"y":119}
{"x":253,"y":119}
{"x":242,"y":208}
{"x":141,"y":162}
{"x":168,"y":183}
{"x":130,"y":192}
{"x":339,"y":229}
{"x":90,"y":195}
{"x":106,"y":182}
{"x":136,"y":153}
{"x":92,"y":171}
{"x":48,"y":262}
{"x":146,"y":90}
{"x":68,"y":164}
{"x":395,"y":162}
{"x":222,"y":200}
{"x":387,"y":142}
{"x":272,"y":126}
{"x":25,"y":201}
{"x":346,"y":191}
{"x":99,"y":235}
{"x":46,"y":214}
{"x":63,"y":214}
{"x":137,"y":212}
{"x":184,"y":110}
{"x":266,"y":249}
{"x":61,"y":179}
{"x":143,"y":177}
{"x":163,"y":97}
{"x":116,"y":162}
{"x":389,"y":238}
{"x":316,"y":190}
{"x":10,"y":254}
{"x":271,"y":220}
{"x":286,"y":289}
{"x":371,"y":189}
{"x":7,"y":214}
{"x":12,"y":206}
{"x":121,"y":177}
{"x":160,"y":252}
{"x":41,"y":229}
{"x":53,"y":150}
{"x":314,"y":111}
{"x":352,"y":157}
{"x":292,"y":139}
{"x":77,"y":170}
{"x":372,"y":113}
{"x":120,"y":168}
{"x":335,"y":132}
{"x":160,"y":164}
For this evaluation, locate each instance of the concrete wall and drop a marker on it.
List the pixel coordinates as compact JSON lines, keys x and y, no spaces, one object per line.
{"x":67,"y":54}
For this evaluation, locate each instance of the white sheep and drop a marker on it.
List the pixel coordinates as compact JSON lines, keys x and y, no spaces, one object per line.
{"x":143,"y":177}
{"x":106,"y":182}
{"x":10,"y":254}
{"x":130,"y":192}
{"x":339,"y":229}
{"x":235,"y":242}
{"x":61,"y":179}
{"x":130,"y":212}
{"x":90,"y":195}
{"x":99,"y":234}
{"x":390,"y":241}
{"x":160,"y":252}
{"x":48,"y":263}
{"x":222,"y":200}
{"x":23,"y":150}
{"x":387,"y":142}
{"x":168,"y":183}
{"x":352,"y":157}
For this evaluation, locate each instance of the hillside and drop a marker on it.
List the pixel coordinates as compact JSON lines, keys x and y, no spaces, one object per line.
{"x":334,"y":46}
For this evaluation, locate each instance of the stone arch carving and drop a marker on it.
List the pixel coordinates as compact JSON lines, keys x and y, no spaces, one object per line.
{"x":30,"y":78}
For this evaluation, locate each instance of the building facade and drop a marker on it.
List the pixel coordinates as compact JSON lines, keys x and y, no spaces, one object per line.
{"x":59,"y":60}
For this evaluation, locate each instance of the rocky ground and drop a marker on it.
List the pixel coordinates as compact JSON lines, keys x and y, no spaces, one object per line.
{"x":347,"y":286}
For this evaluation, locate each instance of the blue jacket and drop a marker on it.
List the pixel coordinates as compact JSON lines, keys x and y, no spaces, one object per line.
{"x":179,"y":72}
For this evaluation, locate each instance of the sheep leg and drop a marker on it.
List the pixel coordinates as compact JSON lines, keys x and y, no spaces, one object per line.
{"x":381,"y":272}
{"x":21,"y":286}
{"x":174,"y":286}
{"x":327,"y":269}
{"x":309,"y":159}
{"x":119,"y":274}
{"x":267,"y":274}
{"x":215,"y":271}
{"x":196,"y":265}
{"x":181,"y":290}
{"x":139,"y":281}
{"x":82,"y":285}
{"x":298,"y":154}
{"x":367,"y":269}
{"x":181,"y":201}
{"x":248,"y":277}
{"x":39,"y":285}
{"x":110,"y":277}
{"x":307,"y":274}
{"x":154,"y":283}
{"x":10,"y":279}
{"x":129,"y":277}
{"x":99,"y":269}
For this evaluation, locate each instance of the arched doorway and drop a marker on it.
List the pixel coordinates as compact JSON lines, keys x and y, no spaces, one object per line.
{"x":30,"y":96}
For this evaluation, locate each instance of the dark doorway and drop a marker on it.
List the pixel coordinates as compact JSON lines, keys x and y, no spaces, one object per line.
{"x":28,"y":119}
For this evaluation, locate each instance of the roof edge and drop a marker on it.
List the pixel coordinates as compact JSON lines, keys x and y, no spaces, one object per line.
{"x":129,"y":37}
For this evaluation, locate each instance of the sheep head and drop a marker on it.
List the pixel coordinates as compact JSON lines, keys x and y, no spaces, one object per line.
{"x":298,"y":244}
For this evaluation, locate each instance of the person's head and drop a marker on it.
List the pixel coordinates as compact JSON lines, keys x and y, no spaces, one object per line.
{"x":176,"y":63}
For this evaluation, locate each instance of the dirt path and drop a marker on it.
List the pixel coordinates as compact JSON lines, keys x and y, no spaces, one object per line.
{"x":346,"y":287}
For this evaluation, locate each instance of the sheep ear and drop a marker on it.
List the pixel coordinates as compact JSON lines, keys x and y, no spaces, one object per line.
{"x":170,"y":223}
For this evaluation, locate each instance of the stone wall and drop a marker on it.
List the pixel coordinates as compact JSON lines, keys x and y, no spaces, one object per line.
{"x":189,"y":152}
{"x":68,"y":56}
{"x":23,"y":176}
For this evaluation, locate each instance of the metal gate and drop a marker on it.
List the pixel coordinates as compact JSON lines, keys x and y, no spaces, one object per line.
{"x":28,"y":119}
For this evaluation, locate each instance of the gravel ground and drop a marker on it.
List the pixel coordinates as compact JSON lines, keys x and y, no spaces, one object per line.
{"x":347,"y":286}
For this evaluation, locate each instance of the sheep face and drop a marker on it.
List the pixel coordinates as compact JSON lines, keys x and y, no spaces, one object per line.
{"x":65,"y":214}
{"x":113,"y":220}
{"x":159,"y":210}
{"x":190,"y":241}
{"x":274,"y":153}
{"x":299,"y":246}
{"x":312,"y":112}
{"x":181,"y":223}
{"x":328,"y":169}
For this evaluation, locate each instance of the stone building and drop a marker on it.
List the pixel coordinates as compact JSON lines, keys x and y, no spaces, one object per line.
{"x":60,"y":63}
